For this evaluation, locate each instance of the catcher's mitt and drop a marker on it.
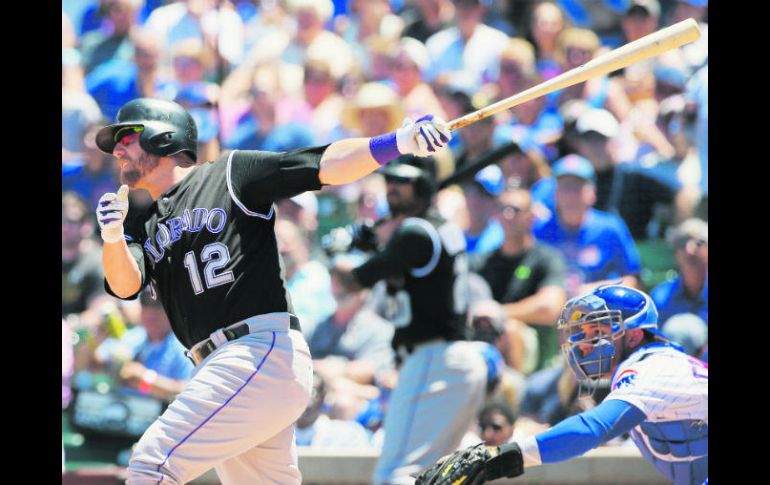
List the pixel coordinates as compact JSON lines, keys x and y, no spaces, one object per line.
{"x":464,"y":467}
{"x":474,"y":466}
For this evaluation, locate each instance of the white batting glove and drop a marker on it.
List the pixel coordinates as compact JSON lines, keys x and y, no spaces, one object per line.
{"x":111,"y":212}
{"x":423,"y":137}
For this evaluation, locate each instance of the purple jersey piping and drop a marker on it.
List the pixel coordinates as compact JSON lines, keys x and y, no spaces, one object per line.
{"x":272,"y":344}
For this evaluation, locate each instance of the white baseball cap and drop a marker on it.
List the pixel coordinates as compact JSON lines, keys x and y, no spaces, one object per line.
{"x":598,"y":120}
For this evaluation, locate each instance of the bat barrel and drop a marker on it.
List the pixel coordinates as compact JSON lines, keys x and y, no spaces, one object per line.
{"x":639,"y":50}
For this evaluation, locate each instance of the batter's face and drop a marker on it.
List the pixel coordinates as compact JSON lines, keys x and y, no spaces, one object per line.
{"x":134,"y":163}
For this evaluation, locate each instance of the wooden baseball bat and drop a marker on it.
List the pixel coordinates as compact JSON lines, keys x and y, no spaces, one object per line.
{"x":639,"y":50}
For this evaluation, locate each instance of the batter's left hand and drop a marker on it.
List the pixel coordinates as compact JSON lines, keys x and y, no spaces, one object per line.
{"x":423,"y":137}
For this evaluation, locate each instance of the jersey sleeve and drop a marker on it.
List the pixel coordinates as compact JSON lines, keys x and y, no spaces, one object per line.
{"x":255,"y":179}
{"x":585,"y":431}
{"x":410,"y":247}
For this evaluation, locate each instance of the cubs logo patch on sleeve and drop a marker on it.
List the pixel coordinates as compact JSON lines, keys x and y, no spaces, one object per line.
{"x":625,"y":379}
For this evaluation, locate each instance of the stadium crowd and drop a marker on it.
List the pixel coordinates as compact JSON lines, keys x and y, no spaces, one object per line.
{"x":600,"y":182}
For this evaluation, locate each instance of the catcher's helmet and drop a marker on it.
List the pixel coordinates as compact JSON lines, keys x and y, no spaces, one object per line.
{"x":420,"y":171}
{"x":167,"y":128}
{"x":610,"y":310}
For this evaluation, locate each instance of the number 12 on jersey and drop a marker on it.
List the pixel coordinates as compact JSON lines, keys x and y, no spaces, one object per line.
{"x":216,"y":256}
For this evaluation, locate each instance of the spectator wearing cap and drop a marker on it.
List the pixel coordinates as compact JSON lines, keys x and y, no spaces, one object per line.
{"x":427,"y":18}
{"x":688,"y":291}
{"x":463,"y":52}
{"x":407,"y":66}
{"x":528,"y":278}
{"x":114,"y":42}
{"x":78,"y":108}
{"x":523,"y":163}
{"x":546,"y":23}
{"x":646,"y":201}
{"x":597,"y":245}
{"x":374,"y":109}
{"x":220,"y":30}
{"x":484,"y":232}
{"x":265,"y":126}
{"x":475,"y":139}
{"x":641,"y":18}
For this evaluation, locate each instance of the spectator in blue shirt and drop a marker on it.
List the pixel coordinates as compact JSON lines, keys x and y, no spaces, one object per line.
{"x":597,"y":245}
{"x":484,"y":233}
{"x":687,"y":293}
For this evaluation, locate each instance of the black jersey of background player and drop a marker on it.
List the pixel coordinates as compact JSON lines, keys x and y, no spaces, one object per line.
{"x":425,"y":262}
{"x":208,"y":245}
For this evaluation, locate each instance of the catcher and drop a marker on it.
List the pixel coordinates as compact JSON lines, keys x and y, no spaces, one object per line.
{"x":659,"y":395}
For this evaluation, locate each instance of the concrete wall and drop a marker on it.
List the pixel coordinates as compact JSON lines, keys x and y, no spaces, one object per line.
{"x":603,"y":466}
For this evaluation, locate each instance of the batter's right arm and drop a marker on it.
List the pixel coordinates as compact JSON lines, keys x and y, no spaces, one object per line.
{"x":120,"y":268}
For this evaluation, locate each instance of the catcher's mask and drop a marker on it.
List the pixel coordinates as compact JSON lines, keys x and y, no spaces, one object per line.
{"x":591,"y":323}
{"x":165,"y":128}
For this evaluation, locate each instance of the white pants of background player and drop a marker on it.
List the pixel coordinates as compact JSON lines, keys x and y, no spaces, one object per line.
{"x":440,"y":389}
{"x":235,"y":415}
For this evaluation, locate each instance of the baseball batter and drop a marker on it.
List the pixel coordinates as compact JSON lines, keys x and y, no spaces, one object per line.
{"x":206,"y":245}
{"x":658,"y":394}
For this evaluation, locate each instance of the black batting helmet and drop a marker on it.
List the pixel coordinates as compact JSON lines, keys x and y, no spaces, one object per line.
{"x":168,"y":128}
{"x":420,"y":171}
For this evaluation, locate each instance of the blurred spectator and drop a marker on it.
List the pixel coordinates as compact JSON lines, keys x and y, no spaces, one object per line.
{"x":552,"y":395}
{"x":528,"y":278}
{"x":288,"y":49}
{"x":115,"y":82}
{"x":323,"y":99}
{"x":698,"y":100}
{"x":302,"y":210}
{"x":496,"y":420}
{"x":597,"y":245}
{"x":316,"y":430}
{"x":576,"y":47}
{"x":430,"y":16}
{"x":695,"y":53}
{"x":644,"y":199}
{"x":601,"y":16}
{"x":641,"y":18}
{"x":81,"y":258}
{"x":96,"y":172}
{"x":263,"y":127}
{"x":114,"y":41}
{"x":370,"y":28}
{"x":410,"y":61}
{"x":354,"y":341}
{"x":688,"y":291}
{"x":475,"y":139}
{"x":514,"y":70}
{"x":484,"y":232}
{"x":307,"y":281}
{"x":464,"y":52}
{"x":376,"y":108}
{"x":546,"y":23}
{"x":352,"y":347}
{"x":68,"y":37}
{"x":505,"y":345}
{"x":67,"y":363}
{"x":78,"y":108}
{"x":215,"y":24}
{"x":156,"y":363}
{"x":523,"y":164}
{"x":678,"y":127}
{"x":200,"y":100}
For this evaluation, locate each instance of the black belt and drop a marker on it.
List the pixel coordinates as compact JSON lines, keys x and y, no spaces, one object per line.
{"x":203,"y":349}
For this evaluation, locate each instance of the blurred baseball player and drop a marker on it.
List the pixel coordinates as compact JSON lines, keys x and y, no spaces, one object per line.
{"x":207,"y":246}
{"x":658,"y":394}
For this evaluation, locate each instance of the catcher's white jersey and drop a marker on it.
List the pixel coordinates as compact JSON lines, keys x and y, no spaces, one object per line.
{"x":671,"y":389}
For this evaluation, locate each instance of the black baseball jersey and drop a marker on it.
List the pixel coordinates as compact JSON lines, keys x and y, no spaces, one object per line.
{"x":208,"y":245}
{"x":426,"y":259}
